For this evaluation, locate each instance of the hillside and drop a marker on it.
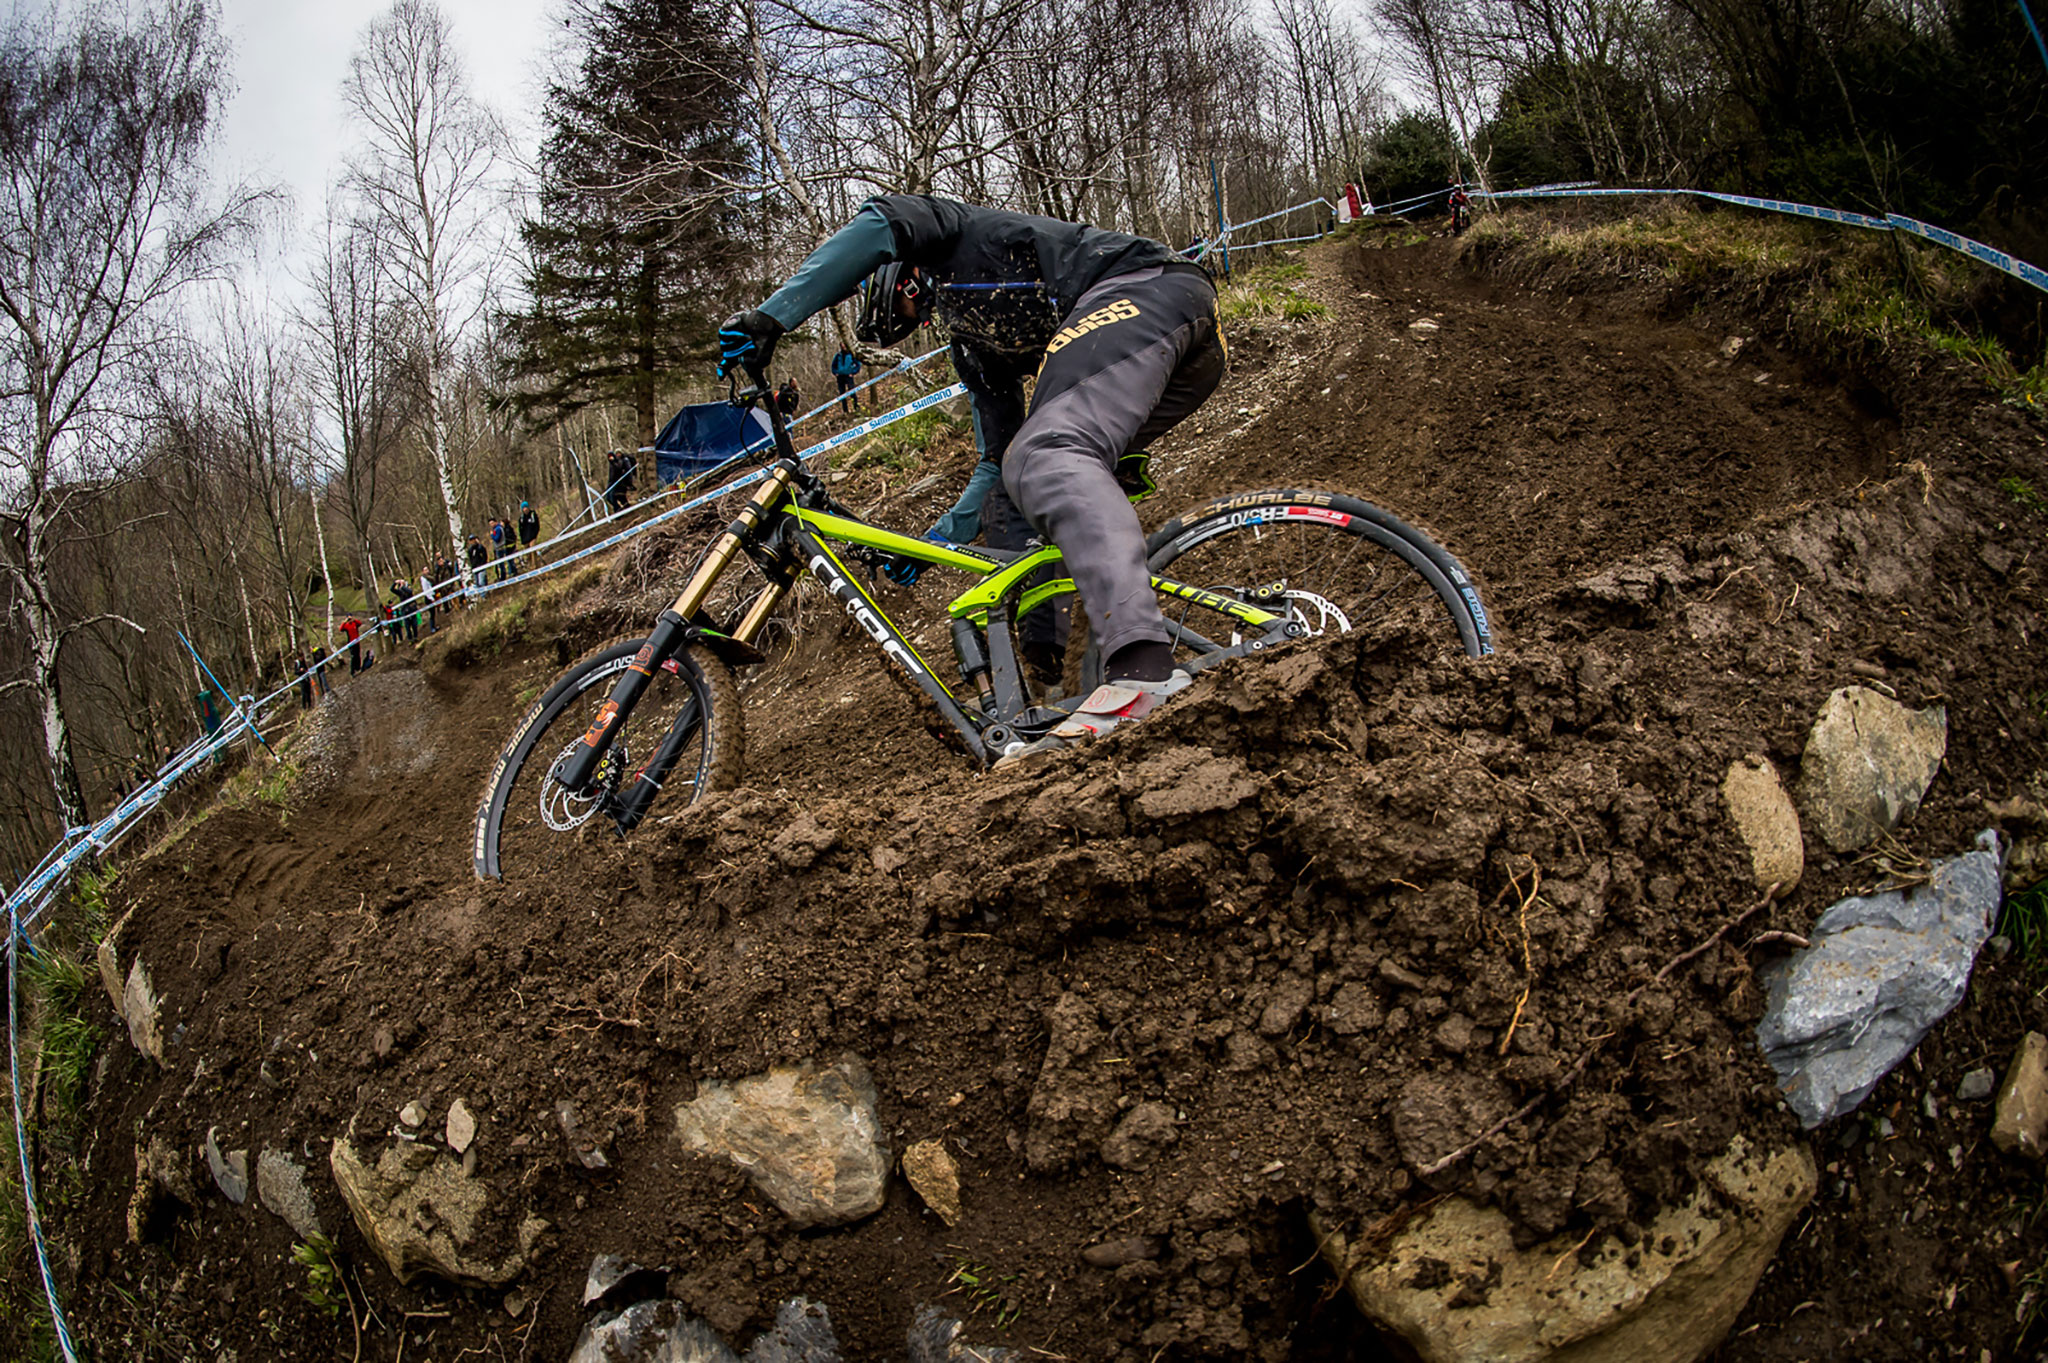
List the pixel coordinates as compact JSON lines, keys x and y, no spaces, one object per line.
{"x":1311,"y":900}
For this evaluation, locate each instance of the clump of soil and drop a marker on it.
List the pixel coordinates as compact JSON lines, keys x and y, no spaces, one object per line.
{"x":1326,"y":919}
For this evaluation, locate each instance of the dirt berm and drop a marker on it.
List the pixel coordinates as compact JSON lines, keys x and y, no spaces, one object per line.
{"x":1337,"y":912}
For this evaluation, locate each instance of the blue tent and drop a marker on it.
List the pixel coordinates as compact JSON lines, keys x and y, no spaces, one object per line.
{"x":705,"y":435}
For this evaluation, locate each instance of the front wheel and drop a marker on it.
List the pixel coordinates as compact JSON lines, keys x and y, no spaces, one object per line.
{"x":1333,"y":563}
{"x":528,"y":820}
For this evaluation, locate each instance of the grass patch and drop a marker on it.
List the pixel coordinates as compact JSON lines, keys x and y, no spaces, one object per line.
{"x":1266,"y":291}
{"x":2025,"y":924}
{"x":470,"y":637}
{"x":988,"y":1293}
{"x":902,"y":446}
{"x":2022,"y":493}
{"x":1839,"y":290}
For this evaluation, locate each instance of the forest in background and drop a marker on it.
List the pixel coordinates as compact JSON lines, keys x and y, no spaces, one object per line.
{"x":181,"y":450}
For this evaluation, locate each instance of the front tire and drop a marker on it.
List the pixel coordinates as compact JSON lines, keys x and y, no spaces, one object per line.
{"x":529,"y":822}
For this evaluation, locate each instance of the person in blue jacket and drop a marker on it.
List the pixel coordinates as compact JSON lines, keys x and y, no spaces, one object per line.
{"x":1122,"y":336}
{"x":846,"y":373}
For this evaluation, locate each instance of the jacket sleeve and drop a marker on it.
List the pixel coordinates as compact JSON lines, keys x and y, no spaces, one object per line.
{"x":835,"y":269}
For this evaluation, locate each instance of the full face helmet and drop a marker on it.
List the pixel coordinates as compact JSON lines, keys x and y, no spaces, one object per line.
{"x":897,"y":301}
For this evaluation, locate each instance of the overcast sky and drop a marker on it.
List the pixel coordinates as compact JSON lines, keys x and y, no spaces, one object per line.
{"x":285,"y":124}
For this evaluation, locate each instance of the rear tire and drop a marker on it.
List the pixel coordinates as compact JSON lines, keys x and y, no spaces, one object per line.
{"x":530,"y":822}
{"x":1341,"y":562}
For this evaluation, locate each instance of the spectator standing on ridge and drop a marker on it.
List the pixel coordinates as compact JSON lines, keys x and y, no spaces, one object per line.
{"x":427,"y":595}
{"x":476,"y":556}
{"x":501,"y":537}
{"x":846,"y":373}
{"x":623,"y":469}
{"x":404,"y":623}
{"x":529,"y":525}
{"x":351,"y":630}
{"x":305,"y":676}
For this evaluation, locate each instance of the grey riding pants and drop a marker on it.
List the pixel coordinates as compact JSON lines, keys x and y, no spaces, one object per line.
{"x":1137,"y":354}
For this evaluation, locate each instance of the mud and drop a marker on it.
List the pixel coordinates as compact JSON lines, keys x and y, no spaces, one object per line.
{"x":1327,"y":919}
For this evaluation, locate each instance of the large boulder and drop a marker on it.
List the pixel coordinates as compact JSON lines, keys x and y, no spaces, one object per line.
{"x":1868,"y":761}
{"x":807,"y":1136}
{"x":1456,"y":1289}
{"x":422,"y":1214}
{"x":1882,"y":969}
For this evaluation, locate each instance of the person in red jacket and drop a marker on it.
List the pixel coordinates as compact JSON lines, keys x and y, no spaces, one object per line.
{"x":351,"y":630}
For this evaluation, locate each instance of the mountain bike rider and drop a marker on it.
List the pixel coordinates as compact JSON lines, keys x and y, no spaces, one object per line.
{"x":1122,"y":335}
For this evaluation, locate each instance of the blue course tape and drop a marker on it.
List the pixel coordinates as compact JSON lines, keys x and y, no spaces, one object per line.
{"x":28,"y":1178}
{"x":1940,"y":236}
{"x":1976,"y":250}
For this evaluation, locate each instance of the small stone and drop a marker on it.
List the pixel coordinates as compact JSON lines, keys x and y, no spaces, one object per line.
{"x":515,"y":1304}
{"x":1977,"y":1086}
{"x":931,"y":1170}
{"x":461,"y":1129}
{"x":2020,"y":1125}
{"x":281,"y":1185}
{"x":1928,"y":1107}
{"x":412,"y":1114}
{"x":2001,"y":946}
{"x":1423,"y":325}
{"x":1116,"y":1253}
{"x":1394,"y":973}
{"x":230,"y":1170}
{"x":583,"y":1148}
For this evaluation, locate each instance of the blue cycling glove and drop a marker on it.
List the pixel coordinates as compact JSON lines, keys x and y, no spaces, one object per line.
{"x":747,"y":338}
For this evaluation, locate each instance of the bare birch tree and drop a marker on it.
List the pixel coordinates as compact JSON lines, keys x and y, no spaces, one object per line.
{"x":103,"y":220}
{"x":425,"y":174}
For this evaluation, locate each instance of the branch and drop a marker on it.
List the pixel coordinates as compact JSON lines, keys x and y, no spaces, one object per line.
{"x":72,"y":629}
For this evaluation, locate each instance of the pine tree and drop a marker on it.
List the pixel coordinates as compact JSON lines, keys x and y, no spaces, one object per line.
{"x":635,"y":242}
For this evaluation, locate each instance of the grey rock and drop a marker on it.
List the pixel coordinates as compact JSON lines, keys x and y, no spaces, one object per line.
{"x":938,"y":1338}
{"x":614,"y":1278}
{"x":1144,"y":1131}
{"x":230,"y":1170}
{"x":281,"y":1187}
{"x":1977,"y":1085}
{"x":1868,"y":761}
{"x":1882,"y":970}
{"x":807,"y":1136}
{"x":660,"y":1332}
{"x":412,"y":1114}
{"x":2001,"y":946}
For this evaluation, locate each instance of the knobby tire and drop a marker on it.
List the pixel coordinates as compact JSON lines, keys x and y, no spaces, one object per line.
{"x":511,"y":809}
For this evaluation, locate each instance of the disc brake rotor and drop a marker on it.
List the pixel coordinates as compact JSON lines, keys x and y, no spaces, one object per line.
{"x":564,"y":811}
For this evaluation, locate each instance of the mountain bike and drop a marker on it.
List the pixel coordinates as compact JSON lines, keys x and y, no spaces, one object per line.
{"x":659,"y":716}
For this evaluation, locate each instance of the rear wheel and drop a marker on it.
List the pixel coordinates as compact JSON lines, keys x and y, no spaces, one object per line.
{"x":1335,"y":563}
{"x":529,"y":822}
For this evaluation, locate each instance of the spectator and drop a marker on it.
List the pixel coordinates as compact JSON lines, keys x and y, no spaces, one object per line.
{"x":507,"y":547}
{"x":529,"y":524}
{"x":405,"y":623}
{"x":351,"y":630}
{"x":476,"y":556}
{"x":787,"y":399}
{"x":305,"y":676}
{"x":427,"y":595}
{"x":619,"y":485}
{"x":845,"y":372}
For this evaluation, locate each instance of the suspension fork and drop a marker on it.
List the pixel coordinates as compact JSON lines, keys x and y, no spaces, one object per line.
{"x":671,"y":631}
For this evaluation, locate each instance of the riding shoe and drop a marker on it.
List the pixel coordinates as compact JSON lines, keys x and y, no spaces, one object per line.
{"x":1111,"y":704}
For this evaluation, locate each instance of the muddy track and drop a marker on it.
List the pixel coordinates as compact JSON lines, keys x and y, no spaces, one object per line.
{"x":1290,"y":908}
